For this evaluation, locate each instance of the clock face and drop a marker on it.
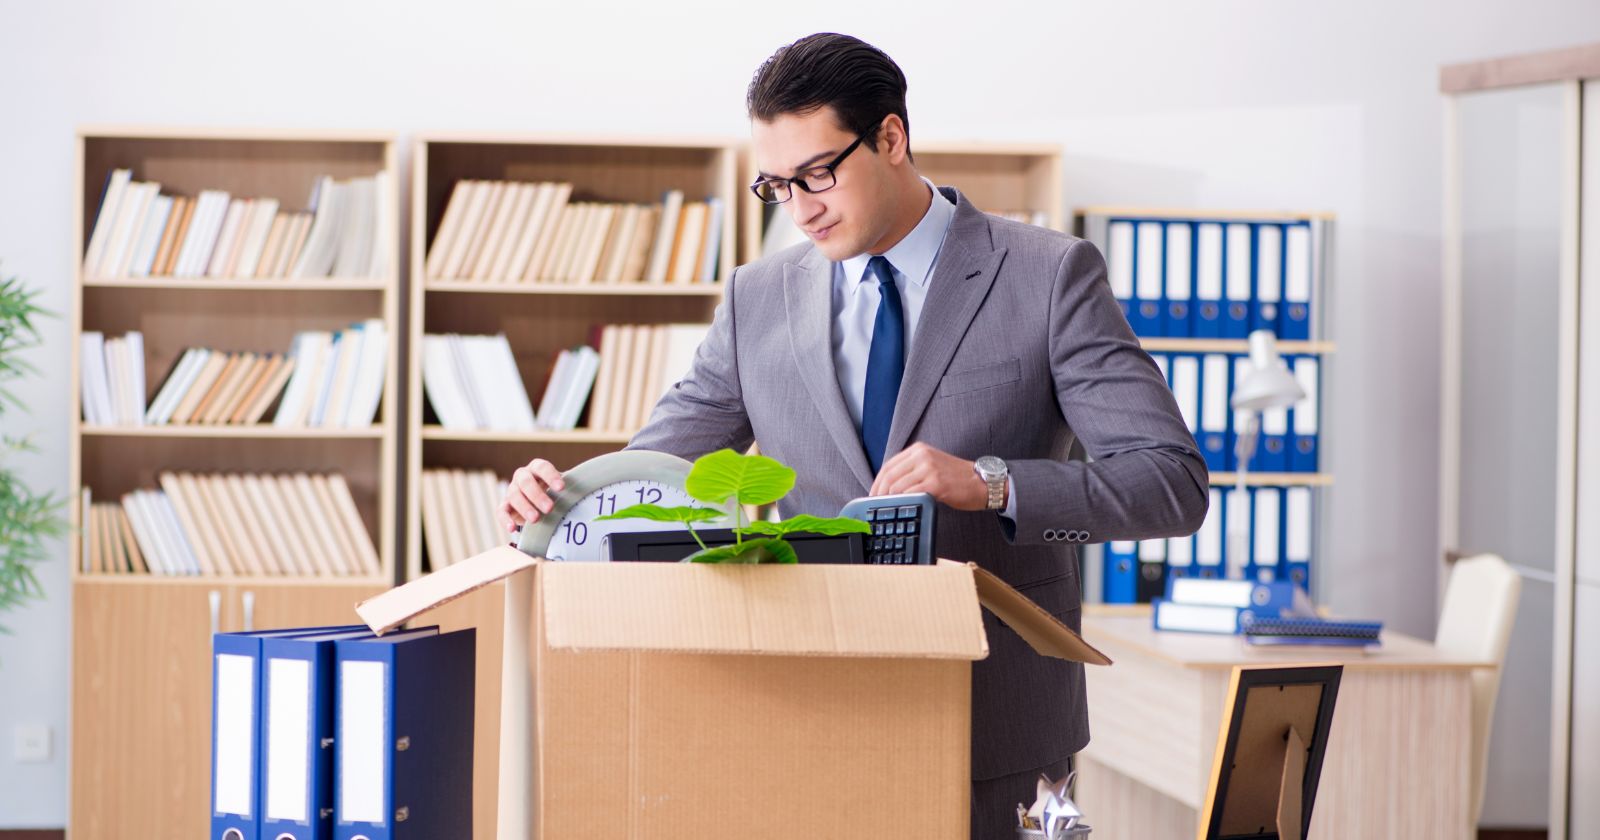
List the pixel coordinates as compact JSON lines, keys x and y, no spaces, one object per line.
{"x":579,"y":537}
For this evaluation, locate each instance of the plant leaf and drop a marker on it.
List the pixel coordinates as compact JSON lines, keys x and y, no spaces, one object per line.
{"x":751,"y":479}
{"x":832,"y":526}
{"x":657,"y":513}
{"x":761,"y":550}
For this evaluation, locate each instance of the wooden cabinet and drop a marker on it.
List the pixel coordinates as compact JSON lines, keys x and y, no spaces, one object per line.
{"x":141,"y":703}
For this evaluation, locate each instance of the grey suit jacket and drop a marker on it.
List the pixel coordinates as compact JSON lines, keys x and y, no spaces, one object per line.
{"x":1020,"y":352}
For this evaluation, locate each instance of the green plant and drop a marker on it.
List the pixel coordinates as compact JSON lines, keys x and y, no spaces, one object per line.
{"x":726,"y":475}
{"x":27,"y":519}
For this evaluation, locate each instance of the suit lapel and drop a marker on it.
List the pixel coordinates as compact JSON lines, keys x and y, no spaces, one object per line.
{"x":808,"y":295}
{"x":961,"y":280}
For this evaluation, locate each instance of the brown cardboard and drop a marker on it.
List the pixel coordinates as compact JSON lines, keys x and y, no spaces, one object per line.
{"x":670,"y":701}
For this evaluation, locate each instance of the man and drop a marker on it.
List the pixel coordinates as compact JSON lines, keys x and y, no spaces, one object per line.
{"x":912,"y":335}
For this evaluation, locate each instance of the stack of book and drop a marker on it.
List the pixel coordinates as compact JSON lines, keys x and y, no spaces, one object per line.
{"x":112,"y":381}
{"x":138,"y":232}
{"x":338,"y":378}
{"x":458,"y":518}
{"x":638,"y":363}
{"x":473,"y":383}
{"x":231,"y":525}
{"x":514,"y":232}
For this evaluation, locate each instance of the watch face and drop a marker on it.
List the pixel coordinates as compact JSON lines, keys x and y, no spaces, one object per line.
{"x":990,"y":467}
{"x":579,"y":537}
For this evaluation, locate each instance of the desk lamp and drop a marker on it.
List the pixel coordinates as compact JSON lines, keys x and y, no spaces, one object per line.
{"x":1267,"y":385}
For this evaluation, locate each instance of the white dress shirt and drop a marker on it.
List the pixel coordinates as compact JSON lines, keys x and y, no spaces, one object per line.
{"x":855,"y":304}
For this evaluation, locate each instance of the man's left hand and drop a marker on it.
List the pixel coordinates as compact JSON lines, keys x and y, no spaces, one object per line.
{"x":919,"y":468}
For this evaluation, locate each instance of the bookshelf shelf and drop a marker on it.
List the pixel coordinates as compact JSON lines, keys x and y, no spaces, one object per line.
{"x":1287,"y":479}
{"x":255,"y":432}
{"x":637,"y":290}
{"x":575,"y":436}
{"x":257,"y":284}
{"x":1225,"y":345}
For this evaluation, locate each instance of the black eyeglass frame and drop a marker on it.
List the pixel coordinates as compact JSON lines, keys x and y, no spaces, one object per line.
{"x":799,"y":180}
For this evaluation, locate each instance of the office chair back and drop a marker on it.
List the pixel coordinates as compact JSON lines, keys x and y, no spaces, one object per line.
{"x":1480,"y":606}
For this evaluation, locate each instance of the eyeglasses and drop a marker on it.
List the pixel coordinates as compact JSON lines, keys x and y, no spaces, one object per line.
{"x":814,"y":180}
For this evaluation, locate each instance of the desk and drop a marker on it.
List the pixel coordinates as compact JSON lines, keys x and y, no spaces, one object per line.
{"x":1398,"y":754}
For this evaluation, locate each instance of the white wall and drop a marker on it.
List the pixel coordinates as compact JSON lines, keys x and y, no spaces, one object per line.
{"x":1249,"y":104}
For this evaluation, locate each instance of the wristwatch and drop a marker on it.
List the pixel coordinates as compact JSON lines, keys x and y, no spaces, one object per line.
{"x":993,"y":472}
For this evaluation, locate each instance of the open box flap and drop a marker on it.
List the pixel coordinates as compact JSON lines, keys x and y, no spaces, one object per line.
{"x":1042,"y":631}
{"x":397,"y":606}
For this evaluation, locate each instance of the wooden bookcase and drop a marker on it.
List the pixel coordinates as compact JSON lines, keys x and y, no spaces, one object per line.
{"x":995,"y":177}
{"x":539,"y":321}
{"x":141,"y":643}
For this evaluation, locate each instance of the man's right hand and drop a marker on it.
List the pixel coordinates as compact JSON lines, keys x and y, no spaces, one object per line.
{"x":528,"y":495}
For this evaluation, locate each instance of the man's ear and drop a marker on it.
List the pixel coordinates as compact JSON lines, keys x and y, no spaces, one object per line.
{"x":893,"y":143}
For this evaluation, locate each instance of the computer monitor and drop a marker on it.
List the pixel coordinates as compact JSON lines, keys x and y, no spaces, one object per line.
{"x":1269,"y":753}
{"x":670,"y":546}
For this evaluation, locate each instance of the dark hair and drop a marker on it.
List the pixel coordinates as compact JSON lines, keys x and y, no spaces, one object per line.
{"x":859,"y":81}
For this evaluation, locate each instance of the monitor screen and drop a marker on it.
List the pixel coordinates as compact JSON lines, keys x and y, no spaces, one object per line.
{"x":672,"y":545}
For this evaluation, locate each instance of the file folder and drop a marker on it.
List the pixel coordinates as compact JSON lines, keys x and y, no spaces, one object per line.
{"x":403,"y":754}
{"x":236,"y":730}
{"x":1297,"y":536}
{"x":1179,"y":280}
{"x":1240,"y":284}
{"x":1297,"y":283}
{"x":1152,"y":570}
{"x":1269,"y":278}
{"x":1239,"y":510}
{"x":1272,"y":449}
{"x":1119,"y":265}
{"x":1214,"y":413}
{"x":1208,"y":280}
{"x":1186,"y":390}
{"x":297,"y":740}
{"x":1180,"y":559}
{"x":1223,"y":606}
{"x":1266,"y":533}
{"x":1208,"y":540}
{"x":1120,"y":584}
{"x":1238,"y":419}
{"x":1148,"y":268}
{"x":1303,"y":451}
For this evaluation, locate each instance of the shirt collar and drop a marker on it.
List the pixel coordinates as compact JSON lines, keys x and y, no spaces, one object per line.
{"x":913,"y":256}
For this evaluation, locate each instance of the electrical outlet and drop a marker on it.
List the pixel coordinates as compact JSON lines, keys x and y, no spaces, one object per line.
{"x":32,"y":743}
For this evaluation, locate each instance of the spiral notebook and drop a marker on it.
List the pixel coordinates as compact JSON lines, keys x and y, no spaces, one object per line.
{"x":1311,"y":631}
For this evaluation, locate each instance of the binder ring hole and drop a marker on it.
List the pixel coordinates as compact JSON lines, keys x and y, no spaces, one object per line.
{"x":233,"y":834}
{"x":284,"y":836}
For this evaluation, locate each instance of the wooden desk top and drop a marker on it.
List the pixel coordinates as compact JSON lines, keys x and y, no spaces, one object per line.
{"x":1126,"y":632}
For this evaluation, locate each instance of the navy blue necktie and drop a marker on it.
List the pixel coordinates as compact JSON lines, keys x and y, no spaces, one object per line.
{"x":886,"y":363}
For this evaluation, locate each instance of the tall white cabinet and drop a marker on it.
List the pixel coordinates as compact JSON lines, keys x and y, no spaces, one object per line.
{"x":1520,"y":396}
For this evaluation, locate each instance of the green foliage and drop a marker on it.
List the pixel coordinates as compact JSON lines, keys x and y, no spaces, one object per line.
{"x":723,"y":476}
{"x":748,"y":479}
{"x":27,"y":519}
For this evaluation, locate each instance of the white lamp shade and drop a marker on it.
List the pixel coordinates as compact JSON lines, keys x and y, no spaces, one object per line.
{"x":1268,"y":384}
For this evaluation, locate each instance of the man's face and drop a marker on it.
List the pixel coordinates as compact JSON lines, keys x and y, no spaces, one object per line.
{"x":845,"y":220}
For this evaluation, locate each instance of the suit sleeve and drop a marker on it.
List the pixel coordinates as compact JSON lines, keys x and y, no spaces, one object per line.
{"x":705,"y":410}
{"x":1147,"y":479}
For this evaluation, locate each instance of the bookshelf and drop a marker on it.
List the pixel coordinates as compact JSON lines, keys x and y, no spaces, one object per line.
{"x":539,"y":317}
{"x":1169,"y":337}
{"x":141,"y":642}
{"x":995,"y":177}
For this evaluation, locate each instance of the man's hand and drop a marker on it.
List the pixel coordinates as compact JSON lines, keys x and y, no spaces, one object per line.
{"x":919,"y":468}
{"x":528,"y":495}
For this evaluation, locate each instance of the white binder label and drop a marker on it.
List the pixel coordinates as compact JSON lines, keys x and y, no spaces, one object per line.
{"x":236,"y":727}
{"x":1120,"y":268}
{"x":288,"y":744}
{"x":1177,"y":261}
{"x":361,"y":741}
{"x":1239,"y":279}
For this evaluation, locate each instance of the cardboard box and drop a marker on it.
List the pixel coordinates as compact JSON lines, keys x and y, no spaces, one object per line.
{"x":686,"y":701}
